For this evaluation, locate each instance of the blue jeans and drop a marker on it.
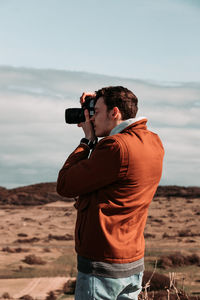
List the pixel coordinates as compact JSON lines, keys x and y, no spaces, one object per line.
{"x":92,"y":287}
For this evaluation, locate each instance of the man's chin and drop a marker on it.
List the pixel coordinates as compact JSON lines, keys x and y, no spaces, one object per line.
{"x":98,"y":134}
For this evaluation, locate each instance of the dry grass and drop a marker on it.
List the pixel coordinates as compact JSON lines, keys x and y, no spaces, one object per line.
{"x":160,"y":287}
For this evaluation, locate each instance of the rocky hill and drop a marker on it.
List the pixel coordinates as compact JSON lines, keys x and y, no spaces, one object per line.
{"x":42,"y":193}
{"x":36,"y":194}
{"x":178,"y":191}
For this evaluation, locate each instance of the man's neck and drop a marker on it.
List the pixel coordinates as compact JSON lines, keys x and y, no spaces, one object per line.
{"x":125,"y":123}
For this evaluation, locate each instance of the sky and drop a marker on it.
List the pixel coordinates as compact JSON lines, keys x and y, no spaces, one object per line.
{"x":144,"y":39}
{"x":52,"y":51}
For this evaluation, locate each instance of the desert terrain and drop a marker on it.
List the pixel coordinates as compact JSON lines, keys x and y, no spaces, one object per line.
{"x":37,"y":239}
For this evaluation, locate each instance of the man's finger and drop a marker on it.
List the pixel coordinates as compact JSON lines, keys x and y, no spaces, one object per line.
{"x":82,"y":98}
{"x":87,"y":115}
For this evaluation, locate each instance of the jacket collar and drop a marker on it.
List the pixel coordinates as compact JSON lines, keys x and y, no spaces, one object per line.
{"x":125,"y":124}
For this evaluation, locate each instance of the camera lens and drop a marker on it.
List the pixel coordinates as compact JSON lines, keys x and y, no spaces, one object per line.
{"x":74,"y":115}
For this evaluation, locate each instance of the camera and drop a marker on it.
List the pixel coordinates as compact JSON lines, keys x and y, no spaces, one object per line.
{"x":76,"y":115}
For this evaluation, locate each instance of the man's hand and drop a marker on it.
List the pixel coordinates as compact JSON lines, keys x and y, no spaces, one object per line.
{"x":82,"y":98}
{"x":87,"y":125}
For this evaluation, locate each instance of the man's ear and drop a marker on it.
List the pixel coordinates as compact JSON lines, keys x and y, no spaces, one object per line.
{"x":116,"y":114}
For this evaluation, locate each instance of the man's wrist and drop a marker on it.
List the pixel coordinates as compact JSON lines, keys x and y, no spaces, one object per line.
{"x":91,"y":144}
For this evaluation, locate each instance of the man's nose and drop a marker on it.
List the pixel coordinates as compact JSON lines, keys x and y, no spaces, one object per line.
{"x":92,"y":119}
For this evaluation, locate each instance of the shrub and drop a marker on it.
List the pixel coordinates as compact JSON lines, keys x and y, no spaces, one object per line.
{"x":6,"y":296}
{"x":34,"y":260}
{"x":51,"y":296}
{"x":18,"y":250}
{"x":162,"y":288}
{"x":26,"y":297}
{"x":14,"y":250}
{"x":31,"y":240}
{"x":158,"y":281}
{"x":46,"y":249}
{"x":163,"y":295}
{"x":69,"y":287}
{"x":149,"y":235}
{"x":178,"y":260}
{"x":184,"y":233}
{"x":22,"y":234}
{"x":194,"y":259}
{"x":165,"y":262}
{"x":8,"y":249}
{"x":66,"y":237}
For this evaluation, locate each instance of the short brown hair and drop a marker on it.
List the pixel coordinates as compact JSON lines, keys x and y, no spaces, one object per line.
{"x":120,"y":97}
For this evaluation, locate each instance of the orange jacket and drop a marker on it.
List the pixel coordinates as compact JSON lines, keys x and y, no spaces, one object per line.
{"x":115,"y":186}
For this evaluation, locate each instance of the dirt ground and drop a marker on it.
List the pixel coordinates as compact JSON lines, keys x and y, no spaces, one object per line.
{"x":36,"y":287}
{"x":46,"y":232}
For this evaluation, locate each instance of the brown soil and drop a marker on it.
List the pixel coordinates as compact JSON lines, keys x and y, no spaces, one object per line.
{"x":46,"y":231}
{"x":35,"y":287}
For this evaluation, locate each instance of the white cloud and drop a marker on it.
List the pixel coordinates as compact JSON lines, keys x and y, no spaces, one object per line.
{"x":35,"y":141}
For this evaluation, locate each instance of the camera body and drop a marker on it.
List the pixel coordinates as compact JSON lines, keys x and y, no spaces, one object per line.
{"x":76,"y":115}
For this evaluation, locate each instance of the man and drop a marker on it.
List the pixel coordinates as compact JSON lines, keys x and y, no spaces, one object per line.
{"x":115,"y":184}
